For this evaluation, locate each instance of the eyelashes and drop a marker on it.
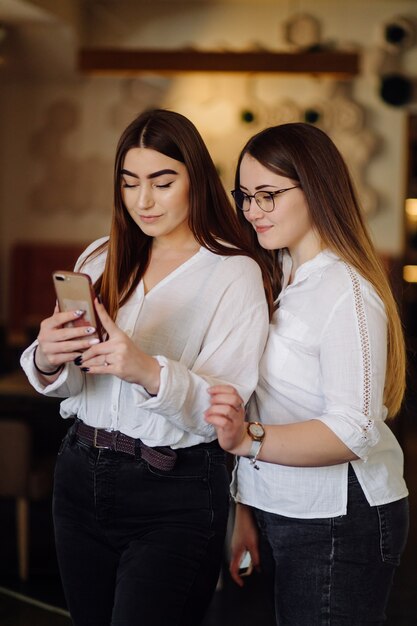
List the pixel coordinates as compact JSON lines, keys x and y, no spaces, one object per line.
{"x":127,"y":186}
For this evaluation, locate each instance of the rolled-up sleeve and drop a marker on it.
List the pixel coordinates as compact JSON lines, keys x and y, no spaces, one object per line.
{"x":69,"y":382}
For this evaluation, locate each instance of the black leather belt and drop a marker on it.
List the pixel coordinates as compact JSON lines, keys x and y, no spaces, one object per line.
{"x":162,"y":458}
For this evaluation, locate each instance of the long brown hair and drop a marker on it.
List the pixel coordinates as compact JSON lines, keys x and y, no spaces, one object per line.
{"x":212,"y":218}
{"x":305,"y":154}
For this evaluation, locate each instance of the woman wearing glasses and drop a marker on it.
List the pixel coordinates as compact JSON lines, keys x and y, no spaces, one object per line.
{"x":319,"y":480}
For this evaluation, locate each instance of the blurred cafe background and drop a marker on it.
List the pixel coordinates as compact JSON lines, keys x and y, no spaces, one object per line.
{"x":73,"y":73}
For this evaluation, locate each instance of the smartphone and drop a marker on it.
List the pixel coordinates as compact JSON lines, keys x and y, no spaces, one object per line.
{"x":75,"y":291}
{"x":245,"y":565}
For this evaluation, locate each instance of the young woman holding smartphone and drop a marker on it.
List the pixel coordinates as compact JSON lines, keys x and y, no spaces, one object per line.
{"x":141,"y":488}
{"x":319,"y":481}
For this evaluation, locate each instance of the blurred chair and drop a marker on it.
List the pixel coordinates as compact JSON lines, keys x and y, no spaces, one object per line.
{"x":22,"y":478}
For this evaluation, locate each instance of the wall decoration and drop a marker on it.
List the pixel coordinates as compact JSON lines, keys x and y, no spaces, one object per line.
{"x":302,"y":31}
{"x":286,"y":110}
{"x":344,"y":120}
{"x":228,"y":111}
{"x":397,"y":89}
{"x":312,"y":115}
{"x":399,"y":33}
{"x":396,"y":36}
{"x":247,"y":116}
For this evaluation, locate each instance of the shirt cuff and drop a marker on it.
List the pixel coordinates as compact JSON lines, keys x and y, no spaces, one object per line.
{"x":28,"y":366}
{"x":173,"y":388}
{"x":358,"y":432}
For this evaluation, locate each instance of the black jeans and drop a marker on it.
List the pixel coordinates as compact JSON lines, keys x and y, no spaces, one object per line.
{"x":139,"y":546}
{"x":335,"y":571}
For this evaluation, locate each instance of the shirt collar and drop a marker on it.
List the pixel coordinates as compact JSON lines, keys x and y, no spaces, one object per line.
{"x":318,"y":263}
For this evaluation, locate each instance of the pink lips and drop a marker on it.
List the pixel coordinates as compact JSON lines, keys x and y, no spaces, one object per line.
{"x":149,"y":219}
{"x":262,"y":229}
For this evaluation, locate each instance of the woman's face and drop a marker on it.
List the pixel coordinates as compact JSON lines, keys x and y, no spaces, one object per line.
{"x":155,"y":190}
{"x":289,"y":224}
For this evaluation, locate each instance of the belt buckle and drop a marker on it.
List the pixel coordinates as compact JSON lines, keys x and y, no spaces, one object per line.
{"x":95,"y":444}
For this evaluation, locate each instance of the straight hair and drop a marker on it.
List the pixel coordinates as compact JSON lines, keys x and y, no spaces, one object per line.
{"x":212,"y":218}
{"x":306,"y":155}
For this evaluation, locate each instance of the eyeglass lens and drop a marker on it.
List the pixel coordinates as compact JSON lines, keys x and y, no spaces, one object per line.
{"x":264,"y":199}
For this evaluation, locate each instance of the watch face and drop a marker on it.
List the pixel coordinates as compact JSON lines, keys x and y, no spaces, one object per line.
{"x":256,"y":431}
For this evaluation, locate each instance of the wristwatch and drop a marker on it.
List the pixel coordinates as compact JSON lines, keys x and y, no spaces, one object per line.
{"x":257,"y":433}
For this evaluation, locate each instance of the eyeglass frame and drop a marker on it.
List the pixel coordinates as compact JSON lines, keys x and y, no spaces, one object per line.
{"x":272,"y":194}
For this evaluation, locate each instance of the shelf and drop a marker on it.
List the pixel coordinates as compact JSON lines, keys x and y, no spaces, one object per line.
{"x":127,"y":62}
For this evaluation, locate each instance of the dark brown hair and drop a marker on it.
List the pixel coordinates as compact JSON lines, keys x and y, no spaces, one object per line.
{"x":306,"y":155}
{"x":212,"y":218}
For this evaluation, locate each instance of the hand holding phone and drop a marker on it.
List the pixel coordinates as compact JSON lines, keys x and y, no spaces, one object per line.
{"x":74,"y":291}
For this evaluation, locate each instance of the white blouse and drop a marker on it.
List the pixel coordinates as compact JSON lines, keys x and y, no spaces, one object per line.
{"x":206,"y":323}
{"x":325,"y":359}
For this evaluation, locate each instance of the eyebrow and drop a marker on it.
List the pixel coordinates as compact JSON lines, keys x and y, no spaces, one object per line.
{"x":258,"y":187}
{"x":150,"y":176}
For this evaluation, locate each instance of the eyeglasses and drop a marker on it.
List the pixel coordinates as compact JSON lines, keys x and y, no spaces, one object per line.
{"x":264,"y":199}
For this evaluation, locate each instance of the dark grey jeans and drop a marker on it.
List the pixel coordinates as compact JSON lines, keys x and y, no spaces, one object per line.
{"x":335,"y":571}
{"x":136,"y":545}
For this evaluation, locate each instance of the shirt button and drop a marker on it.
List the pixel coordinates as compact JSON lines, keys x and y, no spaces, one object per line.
{"x":114,"y":407}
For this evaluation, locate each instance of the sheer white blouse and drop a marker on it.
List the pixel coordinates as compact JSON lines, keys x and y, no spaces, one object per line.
{"x":325,"y":359}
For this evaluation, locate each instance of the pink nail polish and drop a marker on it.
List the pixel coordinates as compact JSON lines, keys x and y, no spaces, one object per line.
{"x":89,"y":330}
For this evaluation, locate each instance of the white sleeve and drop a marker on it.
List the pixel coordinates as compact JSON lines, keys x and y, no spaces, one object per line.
{"x":230,"y":354}
{"x":71,"y":379}
{"x":69,"y":382}
{"x":353,"y":357}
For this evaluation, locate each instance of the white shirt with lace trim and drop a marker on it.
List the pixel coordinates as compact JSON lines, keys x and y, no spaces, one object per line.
{"x":325,"y":359}
{"x":206,"y":323}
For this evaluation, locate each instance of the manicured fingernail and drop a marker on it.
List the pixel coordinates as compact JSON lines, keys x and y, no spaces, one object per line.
{"x":78,"y":360}
{"x":90,"y":329}
{"x":85,"y":369}
{"x":78,"y":313}
{"x":93,"y":342}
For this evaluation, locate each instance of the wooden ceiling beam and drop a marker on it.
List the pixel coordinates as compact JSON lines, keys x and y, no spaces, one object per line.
{"x":112,"y":61}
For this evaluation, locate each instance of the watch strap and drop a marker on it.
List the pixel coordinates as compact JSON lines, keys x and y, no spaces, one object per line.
{"x":254,"y":449}
{"x":254,"y":453}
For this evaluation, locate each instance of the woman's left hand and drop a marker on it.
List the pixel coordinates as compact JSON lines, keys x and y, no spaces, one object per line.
{"x":119,"y":355}
{"x":227,"y":415}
